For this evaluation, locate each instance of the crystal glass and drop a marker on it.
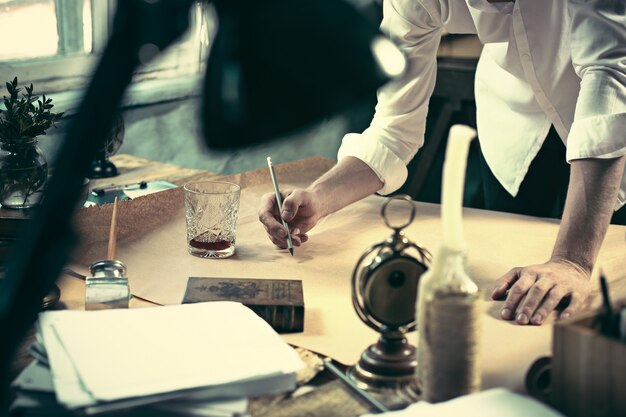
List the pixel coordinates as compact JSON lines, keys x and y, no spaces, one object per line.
{"x":211,"y":209}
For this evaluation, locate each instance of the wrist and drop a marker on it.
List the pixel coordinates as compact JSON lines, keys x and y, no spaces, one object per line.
{"x":320,"y":195}
{"x":584,"y":267}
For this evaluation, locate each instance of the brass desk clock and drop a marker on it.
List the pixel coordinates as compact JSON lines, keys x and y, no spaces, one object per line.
{"x":384,"y":292}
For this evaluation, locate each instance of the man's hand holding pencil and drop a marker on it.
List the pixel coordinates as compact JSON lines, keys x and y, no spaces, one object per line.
{"x":292,"y":219}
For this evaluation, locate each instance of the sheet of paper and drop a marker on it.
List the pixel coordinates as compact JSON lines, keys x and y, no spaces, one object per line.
{"x":128,"y":193}
{"x":122,"y":353}
{"x":35,"y":377}
{"x":35,"y":381}
{"x":153,"y":187}
{"x":490,"y":403}
{"x":151,"y":242}
{"x":68,"y":387}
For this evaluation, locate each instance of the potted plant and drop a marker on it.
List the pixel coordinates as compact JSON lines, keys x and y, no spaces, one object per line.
{"x":23,"y":168}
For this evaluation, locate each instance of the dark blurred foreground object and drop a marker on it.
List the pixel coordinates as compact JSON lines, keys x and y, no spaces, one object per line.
{"x":101,"y":167}
{"x":261,"y":82}
{"x":276,"y":66}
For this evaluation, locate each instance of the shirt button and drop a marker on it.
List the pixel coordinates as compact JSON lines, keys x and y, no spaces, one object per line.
{"x":526,"y":57}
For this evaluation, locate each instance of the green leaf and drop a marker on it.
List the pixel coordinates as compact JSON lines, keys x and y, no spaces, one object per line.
{"x":26,"y":115}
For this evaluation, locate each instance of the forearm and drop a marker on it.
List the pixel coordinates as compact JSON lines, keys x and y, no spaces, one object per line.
{"x":591,"y":197}
{"x":348,"y":181}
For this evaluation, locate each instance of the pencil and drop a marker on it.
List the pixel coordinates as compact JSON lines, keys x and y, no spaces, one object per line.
{"x":113,"y":232}
{"x":279,"y":202}
{"x":607,"y":319}
{"x":380,"y":407}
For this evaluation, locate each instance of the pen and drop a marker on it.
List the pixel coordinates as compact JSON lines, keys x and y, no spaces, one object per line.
{"x":607,"y":320}
{"x":279,"y":202}
{"x":373,"y":401}
{"x":100,"y":191}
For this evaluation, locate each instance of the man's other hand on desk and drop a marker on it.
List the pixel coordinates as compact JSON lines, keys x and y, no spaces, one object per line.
{"x":300,"y":210}
{"x":535,"y":291}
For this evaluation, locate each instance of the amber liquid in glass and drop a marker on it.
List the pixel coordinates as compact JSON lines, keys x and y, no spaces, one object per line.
{"x":216,"y":249}
{"x":219,"y":245}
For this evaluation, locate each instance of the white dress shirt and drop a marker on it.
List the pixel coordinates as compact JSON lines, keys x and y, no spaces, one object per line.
{"x":544,"y":62}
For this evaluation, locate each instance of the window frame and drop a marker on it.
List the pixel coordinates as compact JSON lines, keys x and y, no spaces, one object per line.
{"x":67,"y":73}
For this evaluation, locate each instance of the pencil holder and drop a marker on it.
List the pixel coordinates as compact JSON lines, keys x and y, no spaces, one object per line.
{"x":588,"y":368}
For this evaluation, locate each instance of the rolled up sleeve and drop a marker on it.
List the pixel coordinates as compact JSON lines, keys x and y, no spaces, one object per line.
{"x":598,"y":43}
{"x":397,"y":129}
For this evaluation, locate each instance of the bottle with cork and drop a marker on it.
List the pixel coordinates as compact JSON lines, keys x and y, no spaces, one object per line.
{"x":449,"y":302}
{"x":107,"y":287}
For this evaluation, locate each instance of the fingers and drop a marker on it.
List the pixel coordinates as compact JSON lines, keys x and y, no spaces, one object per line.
{"x":528,"y":309}
{"x":270,"y":218}
{"x":575,"y":305}
{"x":291,"y":204}
{"x":295,"y":237}
{"x":296,"y":240}
{"x":538,"y":290}
{"x":549,"y":304}
{"x":518,"y":284}
{"x":504,"y":283}
{"x":298,"y":210}
{"x":299,"y":238}
{"x":268,"y":215}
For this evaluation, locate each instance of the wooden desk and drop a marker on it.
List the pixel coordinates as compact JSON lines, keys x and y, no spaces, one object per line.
{"x":497,"y":242}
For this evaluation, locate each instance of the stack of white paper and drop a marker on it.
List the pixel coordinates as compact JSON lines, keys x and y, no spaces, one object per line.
{"x":102,"y":360}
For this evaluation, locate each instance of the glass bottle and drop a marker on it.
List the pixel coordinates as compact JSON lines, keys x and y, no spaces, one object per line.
{"x":449,"y":302}
{"x":23,"y":174}
{"x":107,"y":287}
{"x":449,"y":308}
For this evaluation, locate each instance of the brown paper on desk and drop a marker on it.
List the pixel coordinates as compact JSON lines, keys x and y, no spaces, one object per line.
{"x":152,"y":243}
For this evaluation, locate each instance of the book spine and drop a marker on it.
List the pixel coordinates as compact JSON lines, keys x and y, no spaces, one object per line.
{"x":283,"y":319}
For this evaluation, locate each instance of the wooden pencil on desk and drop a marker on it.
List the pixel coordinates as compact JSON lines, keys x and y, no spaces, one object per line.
{"x":113,"y":233}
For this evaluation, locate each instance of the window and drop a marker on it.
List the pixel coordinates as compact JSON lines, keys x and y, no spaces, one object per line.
{"x":56,"y":43}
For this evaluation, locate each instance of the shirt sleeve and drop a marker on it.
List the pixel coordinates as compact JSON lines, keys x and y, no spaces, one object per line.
{"x":397,"y":129}
{"x":598,"y":45}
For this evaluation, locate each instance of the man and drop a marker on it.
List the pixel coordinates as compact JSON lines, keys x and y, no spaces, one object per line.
{"x":547,"y":65}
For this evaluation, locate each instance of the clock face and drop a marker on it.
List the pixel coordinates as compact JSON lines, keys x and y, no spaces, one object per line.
{"x":390,"y":289}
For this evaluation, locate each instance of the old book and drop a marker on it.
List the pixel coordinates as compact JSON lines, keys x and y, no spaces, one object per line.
{"x":278,"y":301}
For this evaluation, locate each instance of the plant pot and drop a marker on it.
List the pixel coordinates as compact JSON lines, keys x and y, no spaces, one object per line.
{"x":23,"y":174}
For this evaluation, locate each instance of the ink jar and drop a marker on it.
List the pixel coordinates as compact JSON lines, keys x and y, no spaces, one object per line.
{"x":107,"y":287}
